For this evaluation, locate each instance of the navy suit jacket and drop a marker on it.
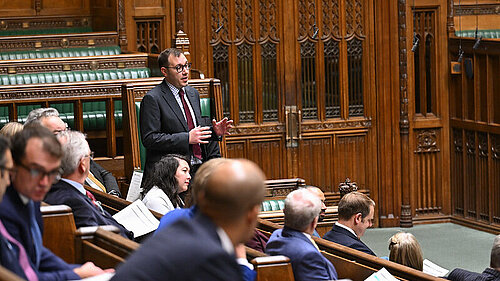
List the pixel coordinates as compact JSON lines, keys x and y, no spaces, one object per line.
{"x":307,"y":262}
{"x":164,"y":129}
{"x":489,"y":274}
{"x":16,"y":219}
{"x":105,"y":177}
{"x":84,"y":211}
{"x":344,"y":237}
{"x":186,"y":250}
{"x":9,"y":257}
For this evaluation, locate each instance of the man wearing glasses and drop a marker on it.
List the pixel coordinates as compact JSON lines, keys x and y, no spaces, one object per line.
{"x":37,"y":157}
{"x":170,"y":117}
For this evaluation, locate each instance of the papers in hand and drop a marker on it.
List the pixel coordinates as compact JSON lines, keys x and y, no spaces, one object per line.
{"x":137,"y":218}
{"x":134,"y":190}
{"x":434,"y":269}
{"x":381,"y":275}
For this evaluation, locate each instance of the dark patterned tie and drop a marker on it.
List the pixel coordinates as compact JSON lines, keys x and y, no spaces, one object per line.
{"x":35,"y":233}
{"x":195,"y":147}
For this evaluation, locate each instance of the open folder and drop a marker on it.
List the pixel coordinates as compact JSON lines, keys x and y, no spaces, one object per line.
{"x":137,"y":218}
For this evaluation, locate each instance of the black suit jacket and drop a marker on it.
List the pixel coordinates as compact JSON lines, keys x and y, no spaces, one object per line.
{"x":344,"y":237}
{"x":186,"y":250}
{"x":105,"y":177}
{"x":16,"y":219}
{"x":164,"y":129}
{"x":84,"y":211}
{"x":489,"y":274}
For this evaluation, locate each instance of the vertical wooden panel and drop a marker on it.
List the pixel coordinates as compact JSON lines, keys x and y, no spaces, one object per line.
{"x":457,"y":172}
{"x":236,"y":149}
{"x":495,"y":178}
{"x":315,"y":164}
{"x":483,"y":186}
{"x":470,"y":174}
{"x":268,"y":154}
{"x":351,"y":159}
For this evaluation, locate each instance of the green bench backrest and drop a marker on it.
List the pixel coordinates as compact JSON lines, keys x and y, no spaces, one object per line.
{"x":63,"y":30}
{"x":272,"y":205}
{"x":485,"y":33}
{"x":205,"y":112}
{"x":61,"y":53}
{"x":74,"y":76}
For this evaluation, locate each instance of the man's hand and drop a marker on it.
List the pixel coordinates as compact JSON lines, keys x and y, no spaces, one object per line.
{"x":89,"y":269}
{"x":222,"y":127}
{"x":199,"y":135}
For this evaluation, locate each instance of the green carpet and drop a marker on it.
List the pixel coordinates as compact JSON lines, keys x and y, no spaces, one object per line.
{"x":446,"y":244}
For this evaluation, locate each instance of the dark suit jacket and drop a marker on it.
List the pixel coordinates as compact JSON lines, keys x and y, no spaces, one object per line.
{"x":344,"y":237}
{"x":489,"y":274}
{"x":164,"y":129}
{"x":84,"y":211}
{"x":307,"y":262}
{"x":105,"y":177}
{"x":9,"y":257}
{"x":16,"y":219}
{"x":186,"y":250}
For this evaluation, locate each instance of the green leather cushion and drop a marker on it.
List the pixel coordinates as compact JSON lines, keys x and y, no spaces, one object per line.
{"x":486,"y":33}
{"x":60,"y":53}
{"x":272,"y":205}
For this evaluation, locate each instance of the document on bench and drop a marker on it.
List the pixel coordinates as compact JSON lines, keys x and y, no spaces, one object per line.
{"x":137,"y":218}
{"x":134,"y":190}
{"x":102,"y":277}
{"x":434,"y":269}
{"x":381,"y":275}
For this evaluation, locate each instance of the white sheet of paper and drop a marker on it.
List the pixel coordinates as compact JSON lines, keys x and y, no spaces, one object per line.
{"x":434,"y":269}
{"x":381,"y":275}
{"x":134,"y":190}
{"x":137,"y":218}
{"x":102,"y":277}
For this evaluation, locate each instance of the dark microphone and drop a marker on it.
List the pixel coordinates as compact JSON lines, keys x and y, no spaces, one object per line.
{"x":219,"y":28}
{"x":415,"y":43}
{"x":460,"y":55}
{"x":477,"y":43}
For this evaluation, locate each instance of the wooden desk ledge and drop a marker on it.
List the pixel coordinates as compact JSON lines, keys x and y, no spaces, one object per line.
{"x":264,"y":260}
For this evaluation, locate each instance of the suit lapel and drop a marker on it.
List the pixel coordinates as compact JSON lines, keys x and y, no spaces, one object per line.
{"x":168,"y":96}
{"x":345,"y":231}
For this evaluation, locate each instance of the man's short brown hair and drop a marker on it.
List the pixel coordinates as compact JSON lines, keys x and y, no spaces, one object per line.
{"x":163,"y":57}
{"x":353,"y":203}
{"x":50,"y":143}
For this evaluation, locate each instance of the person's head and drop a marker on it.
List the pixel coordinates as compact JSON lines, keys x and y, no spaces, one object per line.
{"x":318,"y":192}
{"x":170,"y":174}
{"x":302,"y":208}
{"x":10,"y":129}
{"x":405,"y":249}
{"x":6,"y":164}
{"x":495,"y":254}
{"x":37,"y":158}
{"x":232,"y":196}
{"x":47,"y":117}
{"x":75,"y":163}
{"x":200,"y":181}
{"x":175,"y":67}
{"x":356,"y":210}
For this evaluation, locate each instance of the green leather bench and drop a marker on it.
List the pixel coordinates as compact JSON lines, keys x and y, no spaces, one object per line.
{"x":61,"y":53}
{"x":62,"y":30}
{"x":73,"y":76}
{"x":272,"y":205}
{"x":485,"y":33}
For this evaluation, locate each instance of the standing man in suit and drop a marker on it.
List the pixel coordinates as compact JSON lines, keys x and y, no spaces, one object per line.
{"x":302,"y":209}
{"x":37,"y":156}
{"x":491,"y":273}
{"x":98,"y":178}
{"x":170,"y":117}
{"x":69,"y":191}
{"x":356,"y":211}
{"x":203,"y":248}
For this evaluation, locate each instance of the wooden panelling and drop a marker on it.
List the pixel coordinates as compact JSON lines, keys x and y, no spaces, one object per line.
{"x":316,"y":164}
{"x":351,"y":159}
{"x":104,"y":15}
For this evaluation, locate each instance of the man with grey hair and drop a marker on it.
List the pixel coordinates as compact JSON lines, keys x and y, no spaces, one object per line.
{"x":491,"y":273}
{"x":75,"y":166}
{"x":99,"y":178}
{"x":302,"y":209}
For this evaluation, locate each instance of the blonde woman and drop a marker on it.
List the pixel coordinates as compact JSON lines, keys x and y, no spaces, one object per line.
{"x":405,"y":249}
{"x":11,"y":128}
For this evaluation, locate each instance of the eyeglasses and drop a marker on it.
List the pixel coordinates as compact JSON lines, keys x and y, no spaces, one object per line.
{"x":180,"y":67}
{"x":10,"y":170}
{"x":91,"y":155}
{"x":37,"y":173}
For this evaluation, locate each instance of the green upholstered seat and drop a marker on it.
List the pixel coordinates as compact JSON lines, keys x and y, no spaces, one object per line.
{"x":62,"y":30}
{"x":485,"y":33}
{"x":71,"y":76}
{"x":61,"y":53}
{"x":272,"y":205}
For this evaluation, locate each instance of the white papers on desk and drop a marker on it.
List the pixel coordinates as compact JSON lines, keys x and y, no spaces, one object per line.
{"x":137,"y":218}
{"x":134,"y":190}
{"x":434,"y":269}
{"x":381,"y":275}
{"x":101,"y":277}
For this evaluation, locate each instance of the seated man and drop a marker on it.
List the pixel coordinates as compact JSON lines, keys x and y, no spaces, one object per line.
{"x":491,"y":273}
{"x":318,"y":192}
{"x":203,"y":248}
{"x":301,"y":210}
{"x":37,"y":157}
{"x":69,"y":190}
{"x":356,"y":212}
{"x":99,"y":178}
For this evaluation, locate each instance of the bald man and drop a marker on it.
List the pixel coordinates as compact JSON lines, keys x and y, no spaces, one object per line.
{"x":203,"y":248}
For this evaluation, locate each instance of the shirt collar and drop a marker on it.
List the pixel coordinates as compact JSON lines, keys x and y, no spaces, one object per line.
{"x":175,"y":91}
{"x":76,"y":185}
{"x":346,"y":227}
{"x":23,"y":198}
{"x":227,"y":245}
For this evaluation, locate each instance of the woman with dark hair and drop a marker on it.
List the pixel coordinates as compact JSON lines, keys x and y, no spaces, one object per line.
{"x":161,"y":188}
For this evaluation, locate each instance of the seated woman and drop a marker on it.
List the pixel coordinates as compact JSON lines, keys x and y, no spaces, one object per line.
{"x":406,"y":250}
{"x":162,"y":186}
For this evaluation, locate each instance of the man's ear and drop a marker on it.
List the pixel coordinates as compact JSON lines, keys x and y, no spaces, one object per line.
{"x":358,"y":218}
{"x":81,"y":165}
{"x":164,"y":71}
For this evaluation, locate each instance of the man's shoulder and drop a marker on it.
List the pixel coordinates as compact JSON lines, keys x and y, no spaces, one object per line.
{"x":459,"y":274}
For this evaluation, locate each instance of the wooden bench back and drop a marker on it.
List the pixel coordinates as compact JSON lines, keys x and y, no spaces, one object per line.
{"x":270,"y":268}
{"x":59,"y":231}
{"x":7,"y":275}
